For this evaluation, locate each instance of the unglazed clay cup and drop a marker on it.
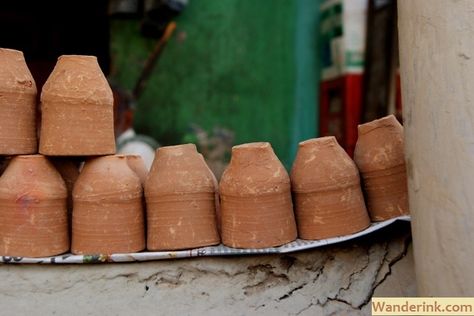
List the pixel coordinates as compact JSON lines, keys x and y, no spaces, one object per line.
{"x":108,"y":214}
{"x":326,"y":189}
{"x":33,"y":215}
{"x":256,"y":206}
{"x":136,"y":163}
{"x":77,"y":109}
{"x":69,"y":170}
{"x":180,"y":197}
{"x":379,"y":155}
{"x":17,"y":105}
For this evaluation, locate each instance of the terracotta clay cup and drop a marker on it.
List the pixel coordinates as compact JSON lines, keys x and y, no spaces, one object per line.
{"x":77,"y":110}
{"x":217,"y":202}
{"x":379,"y":155}
{"x":17,"y":105}
{"x":4,"y":161}
{"x":326,"y":187}
{"x":107,"y":215}
{"x":180,"y":198}
{"x":69,"y":170}
{"x":136,"y":163}
{"x":256,"y":206}
{"x":33,"y":215}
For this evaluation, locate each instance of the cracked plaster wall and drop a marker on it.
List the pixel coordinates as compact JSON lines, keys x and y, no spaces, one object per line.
{"x":437,"y":75}
{"x":333,"y":280}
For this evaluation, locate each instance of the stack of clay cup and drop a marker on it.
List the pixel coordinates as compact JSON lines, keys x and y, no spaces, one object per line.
{"x":33,"y":196}
{"x":42,"y":193}
{"x":113,"y":205}
{"x":48,"y":206}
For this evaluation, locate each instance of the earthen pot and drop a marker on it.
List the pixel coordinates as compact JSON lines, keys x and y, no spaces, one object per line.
{"x":180,"y":198}
{"x":17,"y":105}
{"x":326,"y":187}
{"x":379,"y":155}
{"x":77,"y":110}
{"x":136,"y":163}
{"x":107,"y":215}
{"x":217,"y":202}
{"x":256,"y":206}
{"x":69,"y":170}
{"x":33,"y":215}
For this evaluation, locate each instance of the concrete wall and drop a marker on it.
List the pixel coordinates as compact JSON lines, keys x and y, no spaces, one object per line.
{"x":336,"y":280}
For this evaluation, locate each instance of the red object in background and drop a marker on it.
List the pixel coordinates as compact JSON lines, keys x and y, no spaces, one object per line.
{"x":340,"y":109}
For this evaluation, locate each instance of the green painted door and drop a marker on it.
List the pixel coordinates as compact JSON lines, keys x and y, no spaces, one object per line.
{"x":248,"y":66}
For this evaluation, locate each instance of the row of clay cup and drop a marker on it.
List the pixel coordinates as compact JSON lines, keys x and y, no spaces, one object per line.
{"x":256,"y":191}
{"x":182,"y":197}
{"x":107,"y":213}
{"x":76,"y":108}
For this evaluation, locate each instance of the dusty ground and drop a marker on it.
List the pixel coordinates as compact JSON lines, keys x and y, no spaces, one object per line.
{"x":334,"y":280}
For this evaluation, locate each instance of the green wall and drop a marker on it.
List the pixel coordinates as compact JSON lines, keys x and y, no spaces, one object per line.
{"x":249,"y":66}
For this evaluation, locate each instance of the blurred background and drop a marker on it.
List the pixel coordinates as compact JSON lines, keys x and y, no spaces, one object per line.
{"x":225,"y":72}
